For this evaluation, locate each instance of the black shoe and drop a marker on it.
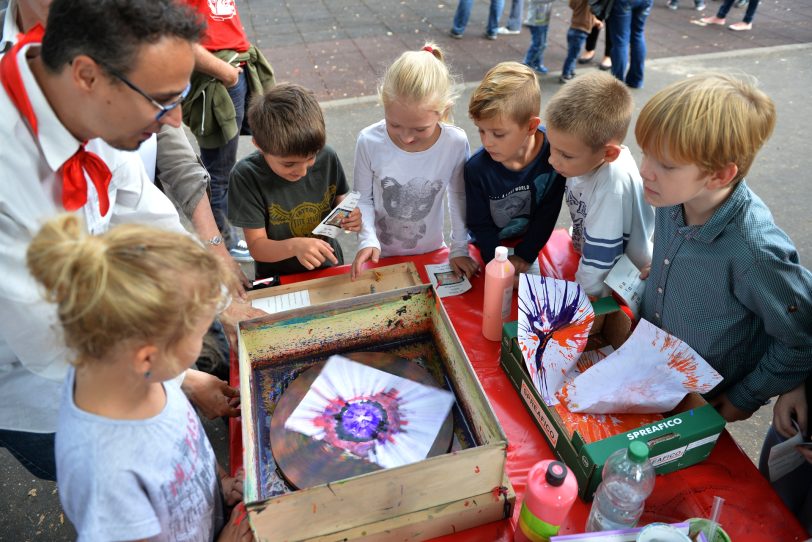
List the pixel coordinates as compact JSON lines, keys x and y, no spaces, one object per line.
{"x":566,"y":77}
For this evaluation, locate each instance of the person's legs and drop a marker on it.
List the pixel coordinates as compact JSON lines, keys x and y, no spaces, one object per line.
{"x":35,"y":451}
{"x":724,"y":8}
{"x":795,"y":489}
{"x":219,"y":163}
{"x":751,"y":11}
{"x":637,"y":43}
{"x":515,"y":18}
{"x":461,"y":17}
{"x":620,"y":22}
{"x":531,"y":58}
{"x":592,"y":42}
{"x":493,"y":16}
{"x":575,"y":40}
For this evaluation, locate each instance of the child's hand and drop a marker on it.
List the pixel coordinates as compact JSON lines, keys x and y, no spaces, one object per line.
{"x":369,"y":253}
{"x":464,"y":265}
{"x":231,"y":485}
{"x":237,"y":529}
{"x":645,"y":272}
{"x":519,"y":264}
{"x":312,"y":252}
{"x":729,"y":411}
{"x":789,"y":406}
{"x":213,"y":397}
{"x":353,"y":221}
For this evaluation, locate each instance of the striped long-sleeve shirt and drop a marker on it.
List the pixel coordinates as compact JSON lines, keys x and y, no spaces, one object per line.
{"x":609,"y":218}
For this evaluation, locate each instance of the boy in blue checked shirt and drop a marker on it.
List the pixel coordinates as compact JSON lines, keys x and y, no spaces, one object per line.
{"x":724,"y":278}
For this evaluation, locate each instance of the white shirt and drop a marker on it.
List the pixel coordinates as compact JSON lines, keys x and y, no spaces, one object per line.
{"x":10,"y":29}
{"x":402,"y":192}
{"x":609,"y":218}
{"x":33,"y":360}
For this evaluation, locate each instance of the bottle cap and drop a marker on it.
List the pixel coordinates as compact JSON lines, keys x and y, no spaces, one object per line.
{"x":501,"y":254}
{"x":638,"y":451}
{"x":556,"y":473}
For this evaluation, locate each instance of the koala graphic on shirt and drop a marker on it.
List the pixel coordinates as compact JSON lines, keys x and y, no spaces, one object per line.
{"x":407,"y":206}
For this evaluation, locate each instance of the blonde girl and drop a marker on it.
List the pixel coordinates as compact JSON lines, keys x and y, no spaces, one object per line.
{"x":406,"y":163}
{"x":133,"y":461}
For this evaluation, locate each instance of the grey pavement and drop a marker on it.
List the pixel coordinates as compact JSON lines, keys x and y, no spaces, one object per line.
{"x":775,"y":53}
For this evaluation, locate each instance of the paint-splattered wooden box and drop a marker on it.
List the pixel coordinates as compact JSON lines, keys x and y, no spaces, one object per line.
{"x":433,"y":497}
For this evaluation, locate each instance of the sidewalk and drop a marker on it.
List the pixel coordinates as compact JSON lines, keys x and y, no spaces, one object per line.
{"x":339,"y":48}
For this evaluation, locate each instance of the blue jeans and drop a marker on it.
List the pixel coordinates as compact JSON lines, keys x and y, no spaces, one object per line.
{"x":575,"y":41}
{"x":538,"y":43}
{"x":219,"y":163}
{"x":748,"y":15}
{"x":795,"y":489}
{"x":34,"y":450}
{"x":626,"y":24}
{"x":515,"y":18}
{"x":463,"y":13}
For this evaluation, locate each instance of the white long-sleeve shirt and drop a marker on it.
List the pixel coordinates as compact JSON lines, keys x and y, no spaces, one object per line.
{"x":609,"y":218}
{"x":33,"y":358}
{"x":402,"y":192}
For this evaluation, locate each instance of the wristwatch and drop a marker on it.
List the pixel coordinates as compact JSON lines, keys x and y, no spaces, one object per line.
{"x":215,"y":241}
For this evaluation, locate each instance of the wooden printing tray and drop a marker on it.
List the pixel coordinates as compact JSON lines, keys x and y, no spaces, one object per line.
{"x":422,"y":500}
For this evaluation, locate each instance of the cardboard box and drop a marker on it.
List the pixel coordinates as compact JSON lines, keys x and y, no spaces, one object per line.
{"x":422,"y":500}
{"x":684,"y":437}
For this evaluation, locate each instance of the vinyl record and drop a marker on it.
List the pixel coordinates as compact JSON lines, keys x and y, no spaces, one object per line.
{"x":306,"y":461}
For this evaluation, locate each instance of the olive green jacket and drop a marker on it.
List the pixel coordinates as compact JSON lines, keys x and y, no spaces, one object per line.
{"x":208,"y":110}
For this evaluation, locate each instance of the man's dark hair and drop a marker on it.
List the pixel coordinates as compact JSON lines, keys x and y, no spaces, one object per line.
{"x":112,"y":31}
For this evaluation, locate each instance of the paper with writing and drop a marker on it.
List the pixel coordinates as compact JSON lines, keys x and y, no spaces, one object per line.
{"x":330,"y":226}
{"x":283,"y":302}
{"x":445,"y":281}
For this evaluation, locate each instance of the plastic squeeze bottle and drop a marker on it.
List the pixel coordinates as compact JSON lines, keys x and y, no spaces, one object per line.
{"x":628,"y":478}
{"x":551,"y":491}
{"x":498,"y":294}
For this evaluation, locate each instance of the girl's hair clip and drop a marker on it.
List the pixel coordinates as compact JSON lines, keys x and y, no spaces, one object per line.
{"x":428,"y":49}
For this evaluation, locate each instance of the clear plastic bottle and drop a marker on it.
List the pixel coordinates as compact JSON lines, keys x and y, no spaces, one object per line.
{"x":498,"y":294}
{"x":628,"y":479}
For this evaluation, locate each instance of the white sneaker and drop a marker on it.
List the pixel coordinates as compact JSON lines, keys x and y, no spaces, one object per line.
{"x":240,"y":253}
{"x":507,"y":31}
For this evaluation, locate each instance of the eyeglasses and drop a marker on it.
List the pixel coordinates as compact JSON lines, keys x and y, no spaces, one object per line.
{"x":163,"y":109}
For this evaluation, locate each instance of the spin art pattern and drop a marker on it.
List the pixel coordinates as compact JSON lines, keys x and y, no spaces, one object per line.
{"x":555,"y":317}
{"x":372,"y":414}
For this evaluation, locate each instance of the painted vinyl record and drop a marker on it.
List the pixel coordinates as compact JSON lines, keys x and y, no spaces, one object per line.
{"x":343,"y":418}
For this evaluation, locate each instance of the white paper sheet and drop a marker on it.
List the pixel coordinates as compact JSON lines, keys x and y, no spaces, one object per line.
{"x":555,"y":317}
{"x":415,"y":412}
{"x":650,"y":373}
{"x":445,"y":281}
{"x":331,"y":225}
{"x":624,"y":280}
{"x":784,"y":458}
{"x":283,"y":302}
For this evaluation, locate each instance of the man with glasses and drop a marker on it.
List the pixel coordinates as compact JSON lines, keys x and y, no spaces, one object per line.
{"x":61,"y":88}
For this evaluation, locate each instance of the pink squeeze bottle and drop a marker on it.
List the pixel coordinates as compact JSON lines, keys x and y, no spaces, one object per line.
{"x":551,"y":491}
{"x":498,"y":294}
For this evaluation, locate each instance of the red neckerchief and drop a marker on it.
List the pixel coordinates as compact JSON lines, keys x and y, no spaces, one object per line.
{"x":74,"y":183}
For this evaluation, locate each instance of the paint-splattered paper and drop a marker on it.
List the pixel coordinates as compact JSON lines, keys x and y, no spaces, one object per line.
{"x":555,"y":317}
{"x":372,"y":414}
{"x":651,"y":372}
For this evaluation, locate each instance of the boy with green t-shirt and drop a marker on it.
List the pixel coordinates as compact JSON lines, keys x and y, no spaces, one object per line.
{"x":281,"y":192}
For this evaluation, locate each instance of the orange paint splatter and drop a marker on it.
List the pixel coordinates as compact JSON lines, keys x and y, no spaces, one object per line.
{"x":595,"y":427}
{"x":476,"y":469}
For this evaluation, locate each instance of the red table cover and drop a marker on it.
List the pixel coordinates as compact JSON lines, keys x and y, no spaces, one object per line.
{"x":752,"y":510}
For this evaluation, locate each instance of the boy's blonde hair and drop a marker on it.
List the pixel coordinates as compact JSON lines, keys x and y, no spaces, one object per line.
{"x":596,"y":108}
{"x":709,"y":120}
{"x":287,"y":121}
{"x":420,"y":77}
{"x":509,"y":90}
{"x":133,"y":283}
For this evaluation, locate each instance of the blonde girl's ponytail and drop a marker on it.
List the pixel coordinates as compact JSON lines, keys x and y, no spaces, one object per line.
{"x":132,"y":283}
{"x":420,"y":78}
